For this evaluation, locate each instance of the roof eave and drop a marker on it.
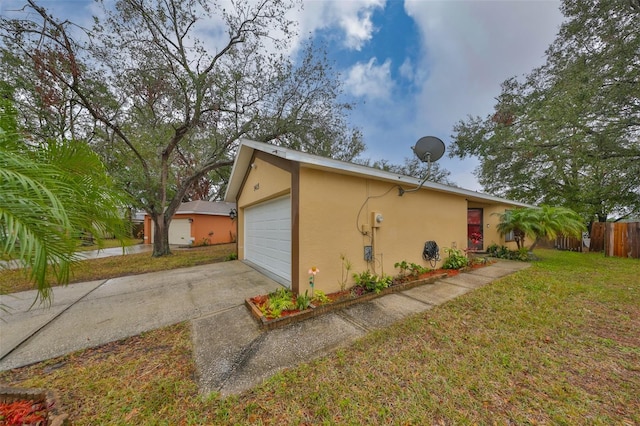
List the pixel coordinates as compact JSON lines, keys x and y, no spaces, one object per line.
{"x":247,"y":147}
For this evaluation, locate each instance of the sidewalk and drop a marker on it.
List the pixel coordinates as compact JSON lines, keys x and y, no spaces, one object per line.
{"x":237,"y":356}
{"x":92,"y":254}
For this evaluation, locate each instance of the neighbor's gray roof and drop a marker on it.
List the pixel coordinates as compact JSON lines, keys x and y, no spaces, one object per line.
{"x":212,"y":208}
{"x":247,"y":147}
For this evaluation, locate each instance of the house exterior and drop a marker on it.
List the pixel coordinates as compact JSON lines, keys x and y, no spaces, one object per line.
{"x":297,"y":210}
{"x":198,"y":223}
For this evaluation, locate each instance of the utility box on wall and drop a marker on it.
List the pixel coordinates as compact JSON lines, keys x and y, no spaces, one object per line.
{"x":368,"y":253}
{"x":376,"y":219}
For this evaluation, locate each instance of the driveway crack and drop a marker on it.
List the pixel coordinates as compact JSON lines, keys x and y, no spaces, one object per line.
{"x":243,"y":357}
{"x":43,"y":326}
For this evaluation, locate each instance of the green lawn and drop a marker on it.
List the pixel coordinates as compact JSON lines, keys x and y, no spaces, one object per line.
{"x":557,"y":343}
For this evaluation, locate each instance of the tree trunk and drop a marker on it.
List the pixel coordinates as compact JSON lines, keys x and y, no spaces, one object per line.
{"x":518,"y":236}
{"x":161,"y":235}
{"x":535,"y":243}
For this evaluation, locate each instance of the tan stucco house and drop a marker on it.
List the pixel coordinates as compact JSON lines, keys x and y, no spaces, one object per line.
{"x":297,"y":210}
{"x":198,"y":223}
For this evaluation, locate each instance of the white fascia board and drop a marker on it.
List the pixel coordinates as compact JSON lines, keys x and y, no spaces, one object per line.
{"x":240,"y":165}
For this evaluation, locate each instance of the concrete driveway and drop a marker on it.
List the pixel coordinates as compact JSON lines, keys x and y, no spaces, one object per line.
{"x":93,"y":313}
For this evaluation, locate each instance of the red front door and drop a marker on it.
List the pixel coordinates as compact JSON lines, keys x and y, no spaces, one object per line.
{"x":474,"y":230}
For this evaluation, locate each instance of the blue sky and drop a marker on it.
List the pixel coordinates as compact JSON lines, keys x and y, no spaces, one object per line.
{"x":415,"y":67}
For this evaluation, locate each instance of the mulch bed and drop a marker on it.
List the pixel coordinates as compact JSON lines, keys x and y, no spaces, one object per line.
{"x":343,"y":299}
{"x":21,"y":407}
{"x":339,"y":300}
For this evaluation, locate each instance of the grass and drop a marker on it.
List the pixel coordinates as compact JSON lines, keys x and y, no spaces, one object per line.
{"x":12,"y":281}
{"x":557,"y":343}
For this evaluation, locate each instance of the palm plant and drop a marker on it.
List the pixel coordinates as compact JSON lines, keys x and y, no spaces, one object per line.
{"x":540,"y":222}
{"x":511,"y":222}
{"x":48,"y":198}
{"x":49,"y":195}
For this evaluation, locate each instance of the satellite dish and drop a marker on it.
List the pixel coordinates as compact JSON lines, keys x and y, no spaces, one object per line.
{"x":429,"y":148}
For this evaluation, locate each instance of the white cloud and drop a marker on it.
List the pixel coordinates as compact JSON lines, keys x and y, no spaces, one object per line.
{"x":358,"y":29}
{"x":352,"y":18}
{"x":471,"y":47}
{"x":468,"y":49}
{"x":370,"y":80}
{"x":407,"y":70}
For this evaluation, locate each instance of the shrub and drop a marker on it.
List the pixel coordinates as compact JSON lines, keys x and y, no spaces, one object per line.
{"x":502,"y":252}
{"x":410,"y":269}
{"x":303,"y":301}
{"x":372,"y":282}
{"x":346,"y":268}
{"x":319,"y":298}
{"x":456,"y":259}
{"x":278,"y":301}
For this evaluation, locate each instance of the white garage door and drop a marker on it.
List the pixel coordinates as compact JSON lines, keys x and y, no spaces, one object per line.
{"x":267,"y":240}
{"x":180,"y":232}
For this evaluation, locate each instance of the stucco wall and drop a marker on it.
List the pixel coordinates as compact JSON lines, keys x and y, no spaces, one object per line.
{"x":335,"y":216}
{"x":223,"y":229}
{"x":334,"y":208}
{"x":491,"y":220}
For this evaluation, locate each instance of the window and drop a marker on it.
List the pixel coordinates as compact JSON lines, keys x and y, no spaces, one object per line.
{"x":509,"y":236}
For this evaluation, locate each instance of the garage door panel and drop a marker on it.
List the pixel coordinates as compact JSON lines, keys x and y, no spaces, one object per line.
{"x":180,"y":232}
{"x":268,"y":236}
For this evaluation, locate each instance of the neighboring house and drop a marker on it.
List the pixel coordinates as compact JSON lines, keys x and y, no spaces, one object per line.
{"x":297,"y":210}
{"x":198,"y":223}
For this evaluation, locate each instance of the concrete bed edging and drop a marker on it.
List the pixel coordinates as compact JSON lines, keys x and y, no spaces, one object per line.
{"x":314,"y":311}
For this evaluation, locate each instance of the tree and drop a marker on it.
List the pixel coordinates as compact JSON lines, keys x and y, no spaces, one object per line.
{"x":540,"y":222}
{"x":163,"y":108}
{"x":50,"y":195}
{"x":569,"y":134}
{"x":415,"y":168}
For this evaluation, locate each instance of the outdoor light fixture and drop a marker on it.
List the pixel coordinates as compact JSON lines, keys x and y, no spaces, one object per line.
{"x":233,"y":214}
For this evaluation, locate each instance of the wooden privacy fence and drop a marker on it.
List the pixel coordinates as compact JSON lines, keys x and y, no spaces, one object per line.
{"x":569,"y":243}
{"x":619,"y":239}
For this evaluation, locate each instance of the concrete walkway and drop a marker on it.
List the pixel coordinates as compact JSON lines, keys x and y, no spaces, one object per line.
{"x":232,"y":353}
{"x":238,"y":356}
{"x":116,"y":251}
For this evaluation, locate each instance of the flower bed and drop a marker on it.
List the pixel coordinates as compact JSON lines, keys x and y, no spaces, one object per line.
{"x":340,"y":300}
{"x":30,"y":407}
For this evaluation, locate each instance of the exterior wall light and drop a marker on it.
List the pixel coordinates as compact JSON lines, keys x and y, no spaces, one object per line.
{"x":233,"y":214}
